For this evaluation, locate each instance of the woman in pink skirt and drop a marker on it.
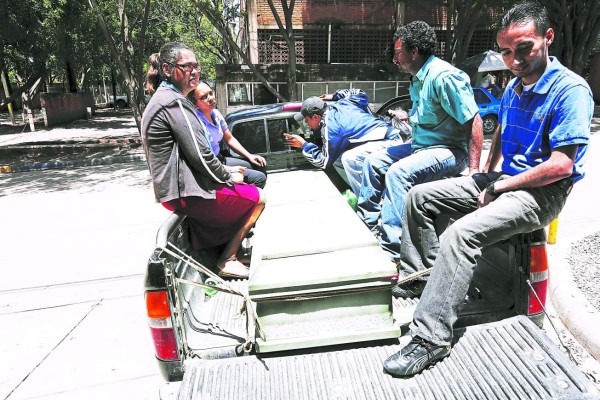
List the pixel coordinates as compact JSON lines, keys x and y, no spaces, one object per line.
{"x":187,"y":176}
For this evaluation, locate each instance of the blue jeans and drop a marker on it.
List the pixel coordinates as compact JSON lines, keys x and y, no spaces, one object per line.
{"x":455,"y":257}
{"x":353,"y":159}
{"x":389,"y":174}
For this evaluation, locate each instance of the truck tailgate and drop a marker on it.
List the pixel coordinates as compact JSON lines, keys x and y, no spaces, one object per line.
{"x":509,"y":359}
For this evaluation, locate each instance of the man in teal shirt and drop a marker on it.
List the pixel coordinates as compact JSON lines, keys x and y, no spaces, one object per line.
{"x":446,"y":138}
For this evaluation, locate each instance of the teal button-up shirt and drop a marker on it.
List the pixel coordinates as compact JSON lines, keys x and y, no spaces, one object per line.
{"x":442,"y":102}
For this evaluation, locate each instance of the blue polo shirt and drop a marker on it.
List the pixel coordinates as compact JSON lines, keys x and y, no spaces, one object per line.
{"x":556,"y":112}
{"x":442,"y":102}
{"x":214,"y":129}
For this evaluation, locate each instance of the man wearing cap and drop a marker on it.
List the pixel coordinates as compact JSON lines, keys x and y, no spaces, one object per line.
{"x":349,"y":132}
{"x":446,"y":138}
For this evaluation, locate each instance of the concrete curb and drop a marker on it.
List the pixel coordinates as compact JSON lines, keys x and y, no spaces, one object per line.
{"x":579,"y":316}
{"x":40,"y":166}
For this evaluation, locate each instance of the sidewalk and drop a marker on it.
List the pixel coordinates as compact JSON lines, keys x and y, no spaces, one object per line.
{"x":112,"y":137}
{"x":109,"y":137}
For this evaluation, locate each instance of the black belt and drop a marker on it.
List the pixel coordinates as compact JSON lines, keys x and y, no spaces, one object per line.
{"x":565,"y":184}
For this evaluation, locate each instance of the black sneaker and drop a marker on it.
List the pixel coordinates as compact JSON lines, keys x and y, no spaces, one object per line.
{"x":414,"y":358}
{"x":408,"y":289}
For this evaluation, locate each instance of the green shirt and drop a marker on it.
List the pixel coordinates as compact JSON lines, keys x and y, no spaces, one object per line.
{"x":442,"y":102}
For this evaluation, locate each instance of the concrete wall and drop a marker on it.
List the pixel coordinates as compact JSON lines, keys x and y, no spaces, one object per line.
{"x":65,"y":107}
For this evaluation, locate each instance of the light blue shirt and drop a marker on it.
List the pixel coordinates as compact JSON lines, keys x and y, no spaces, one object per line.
{"x":442,"y":102}
{"x":556,"y":112}
{"x":214,"y":129}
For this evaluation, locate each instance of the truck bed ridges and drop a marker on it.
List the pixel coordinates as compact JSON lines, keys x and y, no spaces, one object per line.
{"x":510,"y":359}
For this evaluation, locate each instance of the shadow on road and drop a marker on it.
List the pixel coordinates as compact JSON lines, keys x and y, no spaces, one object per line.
{"x":104,"y":120}
{"x":82,"y":180}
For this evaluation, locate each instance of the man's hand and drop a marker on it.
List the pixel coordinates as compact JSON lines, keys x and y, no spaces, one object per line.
{"x":294,"y":140}
{"x":326,"y":97}
{"x":235,"y":169}
{"x":485,"y":198}
{"x":258,"y":160}
{"x":401,"y":115}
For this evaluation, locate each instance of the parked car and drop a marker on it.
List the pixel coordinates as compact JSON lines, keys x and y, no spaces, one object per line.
{"x":122,"y":101}
{"x":260,"y":130}
{"x":488,"y":109}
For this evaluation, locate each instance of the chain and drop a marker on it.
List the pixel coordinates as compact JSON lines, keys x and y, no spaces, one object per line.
{"x":225,"y":287}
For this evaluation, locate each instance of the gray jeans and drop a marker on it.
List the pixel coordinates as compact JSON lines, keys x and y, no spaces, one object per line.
{"x":454,"y":258}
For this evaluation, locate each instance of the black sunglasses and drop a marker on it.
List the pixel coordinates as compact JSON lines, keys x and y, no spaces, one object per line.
{"x":187,"y":67}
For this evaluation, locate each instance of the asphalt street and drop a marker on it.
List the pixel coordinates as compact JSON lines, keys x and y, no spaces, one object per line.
{"x":74,"y":247}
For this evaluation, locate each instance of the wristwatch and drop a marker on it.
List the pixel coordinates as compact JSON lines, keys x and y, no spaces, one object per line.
{"x":490,"y":189}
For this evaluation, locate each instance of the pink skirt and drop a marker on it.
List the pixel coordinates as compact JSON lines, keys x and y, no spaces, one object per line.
{"x":214,"y":222}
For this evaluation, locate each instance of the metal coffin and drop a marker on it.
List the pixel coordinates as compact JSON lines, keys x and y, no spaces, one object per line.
{"x":318,"y":275}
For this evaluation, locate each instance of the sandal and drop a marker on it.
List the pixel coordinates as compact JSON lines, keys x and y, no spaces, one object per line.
{"x":233,"y":269}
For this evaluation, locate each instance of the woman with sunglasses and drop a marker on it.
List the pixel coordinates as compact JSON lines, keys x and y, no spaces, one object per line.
{"x":187,"y":176}
{"x":204,"y":99}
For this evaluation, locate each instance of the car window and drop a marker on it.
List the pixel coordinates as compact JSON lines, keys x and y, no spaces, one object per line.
{"x":480,"y":97}
{"x":251,"y":135}
{"x":276,"y":128}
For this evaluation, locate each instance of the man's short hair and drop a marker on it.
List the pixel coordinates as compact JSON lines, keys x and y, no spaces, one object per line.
{"x":524,"y":13}
{"x":419,"y":35}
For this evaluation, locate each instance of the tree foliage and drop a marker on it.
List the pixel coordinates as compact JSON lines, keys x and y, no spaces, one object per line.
{"x":577,"y":24}
{"x":79,"y":43}
{"x":464,"y":17}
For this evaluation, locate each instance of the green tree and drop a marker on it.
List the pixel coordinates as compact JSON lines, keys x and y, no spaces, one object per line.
{"x":22,"y":50}
{"x":577,"y":24}
{"x":464,"y":17}
{"x":220,"y":20}
{"x":124,"y":26}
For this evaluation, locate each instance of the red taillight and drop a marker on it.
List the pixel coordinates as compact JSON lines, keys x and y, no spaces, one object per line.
{"x":159,"y":320}
{"x":538,"y":276}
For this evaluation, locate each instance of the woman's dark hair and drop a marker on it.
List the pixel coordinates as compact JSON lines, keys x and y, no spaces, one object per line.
{"x":169,"y":54}
{"x":153,"y":74}
{"x":419,"y":35}
{"x":524,"y":13}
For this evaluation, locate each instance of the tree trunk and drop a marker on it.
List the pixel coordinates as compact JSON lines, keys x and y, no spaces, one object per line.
{"x":287,"y":32}
{"x":71,"y":78}
{"x":130,"y":60}
{"x":7,"y":92}
{"x":114,"y":89}
{"x":214,"y":20}
{"x":450,"y":26}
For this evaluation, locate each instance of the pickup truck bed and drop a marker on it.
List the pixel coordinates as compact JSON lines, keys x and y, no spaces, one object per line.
{"x":509,"y":359}
{"x":501,"y":354}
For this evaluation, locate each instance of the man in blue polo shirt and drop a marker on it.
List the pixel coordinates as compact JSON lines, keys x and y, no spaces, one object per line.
{"x":545,"y":121}
{"x":446,"y":138}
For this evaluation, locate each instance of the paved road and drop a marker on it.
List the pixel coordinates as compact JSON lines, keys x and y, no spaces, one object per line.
{"x":73,"y":251}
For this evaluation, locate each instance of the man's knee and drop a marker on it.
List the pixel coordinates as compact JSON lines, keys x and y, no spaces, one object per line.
{"x":348,"y":159}
{"x":396,"y":175}
{"x":262,"y":197}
